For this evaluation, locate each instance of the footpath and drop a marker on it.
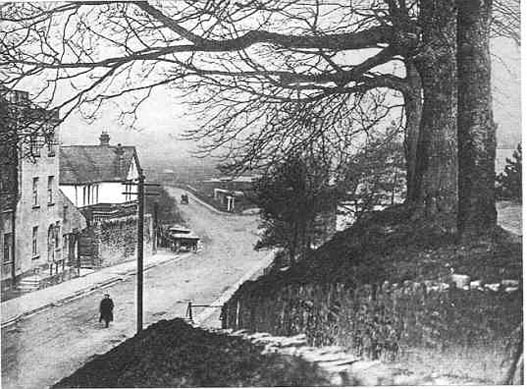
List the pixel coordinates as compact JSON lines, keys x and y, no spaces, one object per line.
{"x":30,"y":303}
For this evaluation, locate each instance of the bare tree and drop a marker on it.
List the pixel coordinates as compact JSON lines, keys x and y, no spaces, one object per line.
{"x":254,"y":64}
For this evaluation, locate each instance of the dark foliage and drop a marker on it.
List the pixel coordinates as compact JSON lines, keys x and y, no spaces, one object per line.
{"x":387,"y":245}
{"x":167,"y":211}
{"x":174,"y":354}
{"x":291,"y":196}
{"x":510,"y":180}
{"x":375,"y":176}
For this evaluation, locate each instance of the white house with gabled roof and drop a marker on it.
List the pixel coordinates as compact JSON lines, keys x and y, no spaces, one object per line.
{"x":93,"y":175}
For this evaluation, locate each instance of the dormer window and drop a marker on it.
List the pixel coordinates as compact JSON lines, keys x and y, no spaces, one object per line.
{"x":34,"y":145}
{"x":51,"y":144}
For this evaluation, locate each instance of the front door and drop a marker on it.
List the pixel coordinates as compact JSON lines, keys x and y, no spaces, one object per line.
{"x":51,"y":245}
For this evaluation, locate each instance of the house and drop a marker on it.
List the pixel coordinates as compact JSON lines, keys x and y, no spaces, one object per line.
{"x":39,"y":229}
{"x":99,"y":181}
{"x":92,"y":177}
{"x":229,"y":193}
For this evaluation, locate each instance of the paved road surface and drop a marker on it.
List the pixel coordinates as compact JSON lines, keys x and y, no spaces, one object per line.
{"x":40,"y":350}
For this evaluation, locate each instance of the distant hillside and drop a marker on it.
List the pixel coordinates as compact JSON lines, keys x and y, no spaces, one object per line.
{"x":186,"y":170}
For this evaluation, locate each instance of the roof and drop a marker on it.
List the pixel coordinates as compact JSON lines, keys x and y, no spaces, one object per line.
{"x":177,"y":227}
{"x":91,"y":164}
{"x":184,"y":236}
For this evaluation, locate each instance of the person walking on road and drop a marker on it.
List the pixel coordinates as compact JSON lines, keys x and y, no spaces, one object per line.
{"x":106,"y":310}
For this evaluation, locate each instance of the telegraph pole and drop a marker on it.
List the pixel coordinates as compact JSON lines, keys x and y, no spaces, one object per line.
{"x":140,"y":232}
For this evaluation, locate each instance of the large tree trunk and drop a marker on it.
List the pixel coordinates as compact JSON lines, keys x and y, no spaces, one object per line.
{"x":413,"y":106}
{"x":437,"y":162}
{"x":476,"y":128}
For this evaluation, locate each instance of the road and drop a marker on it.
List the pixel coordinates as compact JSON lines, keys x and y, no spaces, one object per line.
{"x":510,"y":216}
{"x":40,"y":350}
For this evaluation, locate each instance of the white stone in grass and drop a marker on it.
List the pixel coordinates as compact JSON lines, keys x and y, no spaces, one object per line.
{"x":476,"y":284}
{"x":433,"y":288}
{"x":511,"y":289}
{"x":460,"y":280}
{"x":510,"y":283}
{"x":443,"y":286}
{"x":494,"y":287}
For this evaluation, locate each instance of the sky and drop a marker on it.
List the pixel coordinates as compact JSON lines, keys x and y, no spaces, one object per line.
{"x":163,"y":118}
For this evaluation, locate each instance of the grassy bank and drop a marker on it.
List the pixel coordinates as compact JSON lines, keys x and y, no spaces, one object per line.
{"x":175,"y":354}
{"x":339,"y":296}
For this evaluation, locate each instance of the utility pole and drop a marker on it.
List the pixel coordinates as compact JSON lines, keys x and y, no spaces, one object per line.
{"x":140,"y":232}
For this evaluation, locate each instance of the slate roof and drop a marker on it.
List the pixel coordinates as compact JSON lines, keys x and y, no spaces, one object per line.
{"x":92,"y":164}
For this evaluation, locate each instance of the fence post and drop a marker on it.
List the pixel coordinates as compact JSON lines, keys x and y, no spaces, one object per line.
{"x":189,"y":311}
{"x":237,"y":322}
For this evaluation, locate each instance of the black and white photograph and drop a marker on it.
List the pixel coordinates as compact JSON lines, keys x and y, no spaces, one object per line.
{"x":261,"y":193}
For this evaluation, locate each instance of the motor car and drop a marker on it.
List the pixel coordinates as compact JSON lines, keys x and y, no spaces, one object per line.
{"x":182,"y":238}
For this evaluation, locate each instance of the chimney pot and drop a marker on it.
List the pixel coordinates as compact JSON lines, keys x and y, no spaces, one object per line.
{"x":104,"y":139}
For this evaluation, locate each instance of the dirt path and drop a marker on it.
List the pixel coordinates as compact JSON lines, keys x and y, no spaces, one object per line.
{"x":44,"y":348}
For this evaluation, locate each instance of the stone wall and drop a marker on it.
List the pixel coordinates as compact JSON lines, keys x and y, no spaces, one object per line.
{"x":114,"y":241}
{"x":341,"y":368}
{"x":389,"y":322}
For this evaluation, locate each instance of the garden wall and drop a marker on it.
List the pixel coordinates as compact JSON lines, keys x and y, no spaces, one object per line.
{"x":452,"y":329}
{"x":113,"y":241}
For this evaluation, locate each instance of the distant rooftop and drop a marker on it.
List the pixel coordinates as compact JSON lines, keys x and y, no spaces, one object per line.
{"x":80,"y":164}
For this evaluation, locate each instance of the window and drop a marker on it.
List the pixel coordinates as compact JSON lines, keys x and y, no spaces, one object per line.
{"x":34,"y":247}
{"x":96,"y":193}
{"x":84,"y":196}
{"x":35,"y":191}
{"x":51,"y":181}
{"x":50,"y":140}
{"x":8,"y":248}
{"x":34,"y":145}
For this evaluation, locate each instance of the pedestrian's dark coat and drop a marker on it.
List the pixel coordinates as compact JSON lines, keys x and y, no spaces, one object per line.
{"x":106,"y":309}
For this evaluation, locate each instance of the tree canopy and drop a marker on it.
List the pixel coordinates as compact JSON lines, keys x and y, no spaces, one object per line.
{"x":272,"y":76}
{"x":510,"y":180}
{"x":296,"y":200}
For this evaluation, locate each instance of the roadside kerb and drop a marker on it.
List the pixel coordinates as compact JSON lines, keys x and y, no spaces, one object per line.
{"x":87,"y":290}
{"x":208,"y":312}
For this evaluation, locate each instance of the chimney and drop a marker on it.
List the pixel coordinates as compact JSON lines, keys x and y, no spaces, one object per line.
{"x":120,"y":161}
{"x":104,"y":139}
